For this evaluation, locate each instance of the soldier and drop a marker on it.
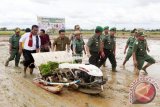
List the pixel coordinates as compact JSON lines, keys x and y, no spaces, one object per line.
{"x":72,"y":38}
{"x":78,"y":46}
{"x":140,"y":53}
{"x":109,"y":49}
{"x":106,"y":33}
{"x":129,"y":44}
{"x":93,"y":47}
{"x":14,"y":48}
{"x":61,"y":42}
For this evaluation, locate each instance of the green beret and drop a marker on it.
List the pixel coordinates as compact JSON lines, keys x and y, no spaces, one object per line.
{"x":99,"y":28}
{"x":113,"y":29}
{"x":106,"y":27}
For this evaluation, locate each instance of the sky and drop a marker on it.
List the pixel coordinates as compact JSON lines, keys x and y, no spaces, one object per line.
{"x":88,"y":14}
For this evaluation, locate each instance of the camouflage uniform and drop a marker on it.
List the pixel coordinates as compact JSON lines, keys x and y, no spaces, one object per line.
{"x":14,"y":41}
{"x":94,"y":46}
{"x":78,"y":45}
{"x":109,"y":46}
{"x":140,"y":49}
{"x":130,"y":42}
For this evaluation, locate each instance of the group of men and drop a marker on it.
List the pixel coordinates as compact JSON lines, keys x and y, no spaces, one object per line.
{"x":98,"y":48}
{"x":102,"y":46}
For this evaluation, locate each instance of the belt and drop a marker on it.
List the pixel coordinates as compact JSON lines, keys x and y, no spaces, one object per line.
{"x":29,"y":50}
{"x":15,"y":48}
{"x":108,"y":50}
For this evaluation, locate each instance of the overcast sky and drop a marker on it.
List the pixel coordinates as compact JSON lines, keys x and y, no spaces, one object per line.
{"x":87,"y":13}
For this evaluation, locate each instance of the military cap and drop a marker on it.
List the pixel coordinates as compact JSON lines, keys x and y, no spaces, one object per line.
{"x":113,"y":29}
{"x":17,"y":30}
{"x":106,"y":27}
{"x":77,"y":32}
{"x":99,"y":28}
{"x":140,"y":33}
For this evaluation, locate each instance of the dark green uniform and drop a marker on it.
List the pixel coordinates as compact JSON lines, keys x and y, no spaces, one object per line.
{"x":61,"y":43}
{"x":14,"y":41}
{"x":78,"y":45}
{"x":139,"y":47}
{"x":109,"y":46}
{"x":94,"y":46}
{"x":130,"y":42}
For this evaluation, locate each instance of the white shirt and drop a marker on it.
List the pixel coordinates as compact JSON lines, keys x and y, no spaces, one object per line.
{"x":25,"y":38}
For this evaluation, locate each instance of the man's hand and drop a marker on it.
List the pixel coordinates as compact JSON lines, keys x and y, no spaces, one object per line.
{"x":102,"y":54}
{"x":88,"y":55}
{"x":135,"y":63}
{"x":37,"y":50}
{"x":114,"y":53}
{"x":74,"y":53}
{"x":20,"y":51}
{"x":10,"y":51}
{"x":124,"y":51}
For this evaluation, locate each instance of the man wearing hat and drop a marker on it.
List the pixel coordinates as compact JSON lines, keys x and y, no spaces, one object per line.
{"x":78,"y":45}
{"x":109,"y":49}
{"x":93,"y":47}
{"x":129,"y":45}
{"x":72,"y":38}
{"x":106,"y":33}
{"x":140,"y":53}
{"x":14,"y":48}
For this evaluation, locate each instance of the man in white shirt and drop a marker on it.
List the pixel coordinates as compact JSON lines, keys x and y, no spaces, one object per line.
{"x":32,"y":44}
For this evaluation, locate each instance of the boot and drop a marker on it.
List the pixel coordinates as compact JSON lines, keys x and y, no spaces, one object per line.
{"x":25,"y":69}
{"x":31,"y":71}
{"x":16,"y":64}
{"x":114,"y":70}
{"x":7,"y":62}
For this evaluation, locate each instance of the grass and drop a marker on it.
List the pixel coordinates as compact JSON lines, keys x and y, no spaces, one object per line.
{"x":7,"y":33}
{"x":89,"y":33}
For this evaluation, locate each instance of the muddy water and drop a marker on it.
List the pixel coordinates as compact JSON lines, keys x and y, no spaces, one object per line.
{"x":16,"y":91}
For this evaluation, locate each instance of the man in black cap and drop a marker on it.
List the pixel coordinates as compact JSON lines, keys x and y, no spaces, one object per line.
{"x":14,"y":47}
{"x":93,"y":47}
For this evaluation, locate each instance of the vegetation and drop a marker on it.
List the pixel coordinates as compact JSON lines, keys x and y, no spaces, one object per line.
{"x":49,"y":68}
{"x":120,"y":33}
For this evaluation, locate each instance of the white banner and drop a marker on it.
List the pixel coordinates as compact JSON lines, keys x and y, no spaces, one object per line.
{"x":51,"y":25}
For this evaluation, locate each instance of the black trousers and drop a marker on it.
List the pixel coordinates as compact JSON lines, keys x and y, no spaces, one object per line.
{"x":110,"y":55}
{"x":95,"y":58}
{"x":28,"y":58}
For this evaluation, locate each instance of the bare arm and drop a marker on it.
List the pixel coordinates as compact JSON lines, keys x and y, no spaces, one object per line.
{"x":134,"y":59}
{"x":20,"y":47}
{"x":125,"y":49}
{"x":87,"y":50}
{"x":84,"y":49}
{"x":114,"y":51}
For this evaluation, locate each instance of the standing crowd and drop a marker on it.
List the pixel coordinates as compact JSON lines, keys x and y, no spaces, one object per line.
{"x":100,"y":46}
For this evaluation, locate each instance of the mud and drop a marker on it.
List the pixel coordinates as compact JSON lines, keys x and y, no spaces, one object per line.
{"x":16,"y":91}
